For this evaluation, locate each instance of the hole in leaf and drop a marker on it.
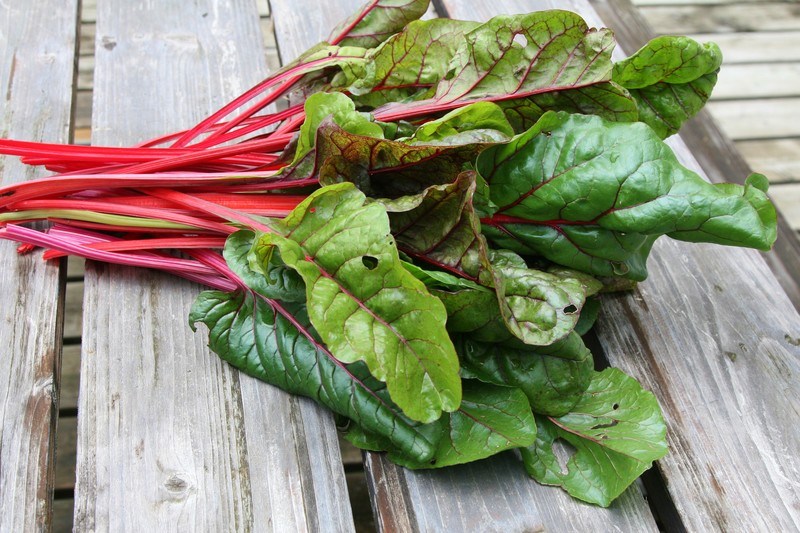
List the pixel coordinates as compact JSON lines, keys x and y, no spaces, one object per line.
{"x":521,"y":40}
{"x":370,"y":262}
{"x":605,"y":426}
{"x":563,"y":451}
{"x":570,"y":309}
{"x":615,"y":406}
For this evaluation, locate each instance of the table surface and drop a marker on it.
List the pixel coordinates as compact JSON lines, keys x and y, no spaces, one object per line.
{"x":661,"y":331}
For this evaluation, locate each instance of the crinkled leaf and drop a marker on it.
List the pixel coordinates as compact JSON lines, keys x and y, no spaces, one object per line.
{"x":376,"y":21}
{"x":491,"y":419}
{"x":594,"y":195}
{"x":364,"y":304}
{"x":558,"y":51}
{"x":553,"y":377}
{"x":381,"y":168}
{"x":343,"y":112}
{"x":617,"y":431}
{"x":482,"y":122}
{"x":440,"y":227}
{"x":249,"y":333}
{"x":538,"y":307}
{"x":671,"y":78}
{"x":607,"y":100}
{"x":411,"y":61}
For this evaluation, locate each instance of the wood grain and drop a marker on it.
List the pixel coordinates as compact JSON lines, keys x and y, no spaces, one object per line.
{"x":755,"y":47}
{"x":169,"y":437}
{"x":777,"y":158}
{"x":769,"y":118}
{"x":712,"y":333}
{"x":37,"y":45}
{"x":764,"y":80}
{"x":739,"y":17}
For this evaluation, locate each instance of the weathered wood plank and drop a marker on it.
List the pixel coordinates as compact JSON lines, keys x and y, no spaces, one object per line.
{"x":766,"y":80}
{"x":171,"y":438}
{"x":769,"y":118}
{"x":750,"y":47}
{"x":778,"y":158}
{"x":69,"y":384}
{"x":643,"y":3}
{"x":787,"y":197}
{"x":763,"y":16}
{"x":73,"y":310}
{"x":37,"y":45}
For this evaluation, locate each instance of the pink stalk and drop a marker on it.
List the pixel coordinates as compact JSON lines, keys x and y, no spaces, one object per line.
{"x":210,"y":208}
{"x":286,"y":78}
{"x":38,"y":238}
{"x":56,"y":185}
{"x":63,"y":207}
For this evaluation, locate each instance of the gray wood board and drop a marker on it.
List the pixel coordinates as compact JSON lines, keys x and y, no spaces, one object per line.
{"x":714,"y":336}
{"x":738,"y":17}
{"x":169,"y":437}
{"x":37,"y":46}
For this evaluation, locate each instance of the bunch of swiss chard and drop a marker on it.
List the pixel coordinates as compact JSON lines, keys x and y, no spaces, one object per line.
{"x":416,"y":240}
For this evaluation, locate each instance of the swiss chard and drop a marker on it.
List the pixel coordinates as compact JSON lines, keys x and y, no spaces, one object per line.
{"x":413,"y":242}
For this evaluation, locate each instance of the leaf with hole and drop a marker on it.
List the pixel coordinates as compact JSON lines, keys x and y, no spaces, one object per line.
{"x":364,"y":304}
{"x":616,"y":430}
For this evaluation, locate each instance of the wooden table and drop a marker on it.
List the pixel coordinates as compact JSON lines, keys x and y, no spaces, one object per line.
{"x":170,"y":438}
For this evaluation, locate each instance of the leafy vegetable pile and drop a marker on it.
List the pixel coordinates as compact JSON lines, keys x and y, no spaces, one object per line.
{"x":417,"y":240}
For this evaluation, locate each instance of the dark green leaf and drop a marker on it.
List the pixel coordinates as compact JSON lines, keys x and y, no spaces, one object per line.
{"x":617,"y":431}
{"x":491,"y":419}
{"x":266,"y":341}
{"x":553,"y":377}
{"x":262,"y":269}
{"x":594,"y":195}
{"x":607,"y":100}
{"x":671,"y":78}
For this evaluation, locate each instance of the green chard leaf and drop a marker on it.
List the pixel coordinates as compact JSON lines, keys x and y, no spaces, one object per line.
{"x":607,"y":100}
{"x":440,"y":227}
{"x":481,"y":122}
{"x":275,"y":343}
{"x":594,"y":195}
{"x":671,"y":78}
{"x":376,"y":21}
{"x":409,"y":63}
{"x":320,"y":106}
{"x":558,"y":52}
{"x":491,"y":419}
{"x":362,"y":302}
{"x":553,"y":377}
{"x":382,"y":168}
{"x":617,"y":431}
